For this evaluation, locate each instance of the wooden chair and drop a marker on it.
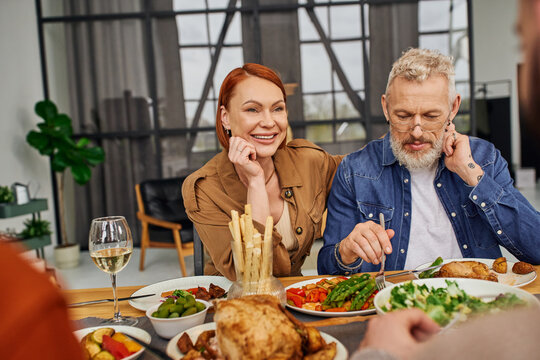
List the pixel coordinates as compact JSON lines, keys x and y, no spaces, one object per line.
{"x":163,"y":218}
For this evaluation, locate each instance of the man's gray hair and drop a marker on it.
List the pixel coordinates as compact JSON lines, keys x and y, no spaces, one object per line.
{"x":419,"y":64}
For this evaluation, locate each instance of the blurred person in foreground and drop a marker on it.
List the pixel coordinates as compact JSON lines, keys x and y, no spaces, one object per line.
{"x":442,"y":193}
{"x":289,"y":181}
{"x":34,"y":321}
{"x":510,"y":335}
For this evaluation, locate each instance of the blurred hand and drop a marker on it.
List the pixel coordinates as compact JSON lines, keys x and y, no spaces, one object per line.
{"x":400,"y":333}
{"x":243,"y":155}
{"x":367,"y":241}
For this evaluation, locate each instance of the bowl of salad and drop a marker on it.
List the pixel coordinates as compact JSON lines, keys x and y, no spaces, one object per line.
{"x":442,"y":299}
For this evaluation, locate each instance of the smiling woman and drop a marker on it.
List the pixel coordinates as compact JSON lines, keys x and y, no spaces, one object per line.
{"x":289,"y":181}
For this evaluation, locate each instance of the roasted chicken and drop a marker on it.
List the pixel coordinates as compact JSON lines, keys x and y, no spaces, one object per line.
{"x":258,"y":327}
{"x":467,"y":269}
{"x":255,"y":327}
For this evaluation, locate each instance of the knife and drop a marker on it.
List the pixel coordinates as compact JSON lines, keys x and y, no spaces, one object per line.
{"x":107,"y":300}
{"x":413,"y":271}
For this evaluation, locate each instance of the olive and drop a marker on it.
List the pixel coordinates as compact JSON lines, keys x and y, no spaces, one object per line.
{"x":190,"y":301}
{"x":163,"y":313}
{"x":200,"y":306}
{"x":174,"y":315}
{"x":155,"y":314}
{"x":177,"y":308}
{"x":190,"y":311}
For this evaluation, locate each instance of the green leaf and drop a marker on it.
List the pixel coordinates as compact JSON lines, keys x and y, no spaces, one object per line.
{"x":46,"y":110}
{"x":94,"y":155}
{"x":81,"y":173}
{"x":38,"y":140}
{"x":62,"y":125}
{"x":82,"y":142}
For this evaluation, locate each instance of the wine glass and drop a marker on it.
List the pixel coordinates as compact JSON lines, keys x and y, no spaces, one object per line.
{"x":110,"y":245}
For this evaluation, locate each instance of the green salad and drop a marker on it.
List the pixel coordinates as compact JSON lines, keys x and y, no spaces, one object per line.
{"x":443,"y":303}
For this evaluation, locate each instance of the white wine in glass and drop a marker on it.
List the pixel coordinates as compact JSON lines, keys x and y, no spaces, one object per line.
{"x":110,"y":245}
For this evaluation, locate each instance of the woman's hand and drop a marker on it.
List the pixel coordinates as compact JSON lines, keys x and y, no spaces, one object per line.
{"x":368,"y":241}
{"x":243,"y":155}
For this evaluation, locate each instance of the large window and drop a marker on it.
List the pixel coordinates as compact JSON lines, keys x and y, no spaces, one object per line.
{"x":141,"y":78}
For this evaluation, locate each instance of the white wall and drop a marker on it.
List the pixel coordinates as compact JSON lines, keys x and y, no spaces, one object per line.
{"x":496,"y":52}
{"x":20,"y":89}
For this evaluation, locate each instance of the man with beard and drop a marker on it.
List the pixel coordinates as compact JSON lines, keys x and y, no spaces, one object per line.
{"x":441,"y":193}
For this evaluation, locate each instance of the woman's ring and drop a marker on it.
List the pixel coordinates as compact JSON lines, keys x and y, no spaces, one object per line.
{"x":454,"y":135}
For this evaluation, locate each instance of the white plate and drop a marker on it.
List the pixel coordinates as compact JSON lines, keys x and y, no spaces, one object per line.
{"x":509,"y":278}
{"x":140,"y":334}
{"x":194,"y":332}
{"x":174,"y":284}
{"x":326,"y":313}
{"x":473,"y":287}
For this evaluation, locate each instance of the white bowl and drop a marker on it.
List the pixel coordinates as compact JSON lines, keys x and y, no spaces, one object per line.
{"x":167,"y":328}
{"x":473,"y":287}
{"x":140,"y":334}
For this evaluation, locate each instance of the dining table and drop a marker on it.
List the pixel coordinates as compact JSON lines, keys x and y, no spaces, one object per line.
{"x":348,"y":330}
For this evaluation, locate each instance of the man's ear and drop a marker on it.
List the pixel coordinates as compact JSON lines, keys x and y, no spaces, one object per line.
{"x":385,"y":108}
{"x":225,"y":118}
{"x":455,"y":107}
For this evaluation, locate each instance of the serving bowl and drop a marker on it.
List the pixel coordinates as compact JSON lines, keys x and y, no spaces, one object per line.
{"x":169,"y":327}
{"x":132,"y":331}
{"x":473,"y":287}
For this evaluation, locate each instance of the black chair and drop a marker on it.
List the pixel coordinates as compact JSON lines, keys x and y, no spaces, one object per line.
{"x":163,"y":218}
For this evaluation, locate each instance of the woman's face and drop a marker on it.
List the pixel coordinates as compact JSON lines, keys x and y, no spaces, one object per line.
{"x":257,"y":113}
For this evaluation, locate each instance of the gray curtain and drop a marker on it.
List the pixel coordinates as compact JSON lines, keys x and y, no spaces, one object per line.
{"x":108,"y":65}
{"x":393,"y":28}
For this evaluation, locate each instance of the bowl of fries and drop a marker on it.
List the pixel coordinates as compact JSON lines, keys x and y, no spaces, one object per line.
{"x":253,"y":258}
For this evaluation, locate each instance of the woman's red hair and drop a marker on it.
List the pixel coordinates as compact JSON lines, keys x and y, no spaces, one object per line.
{"x":227,"y":89}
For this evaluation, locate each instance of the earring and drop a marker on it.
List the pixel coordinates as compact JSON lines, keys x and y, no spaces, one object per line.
{"x":228,"y":131}
{"x":387,"y":121}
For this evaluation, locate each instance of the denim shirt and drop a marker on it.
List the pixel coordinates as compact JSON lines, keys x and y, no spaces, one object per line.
{"x":371,"y":180}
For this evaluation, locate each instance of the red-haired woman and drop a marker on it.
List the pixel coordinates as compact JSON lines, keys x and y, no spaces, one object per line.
{"x":289,"y":181}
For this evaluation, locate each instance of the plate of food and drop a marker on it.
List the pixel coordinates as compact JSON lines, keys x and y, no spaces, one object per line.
{"x":499,"y":270}
{"x":444,"y":299}
{"x":200,"y":286}
{"x":111,"y":340}
{"x":208,"y":329}
{"x":333,"y":296}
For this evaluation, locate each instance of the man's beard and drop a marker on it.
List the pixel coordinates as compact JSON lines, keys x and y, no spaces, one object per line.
{"x":418,"y":159}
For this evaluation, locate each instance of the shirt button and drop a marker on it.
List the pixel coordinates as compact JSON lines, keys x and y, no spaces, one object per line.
{"x":474,"y":197}
{"x":406,"y":214}
{"x":402,"y":251}
{"x":288,"y":194}
{"x":370,"y":215}
{"x":465,"y":246}
{"x":406,"y":181}
{"x":453,"y":214}
{"x":499,"y":232}
{"x":299,"y":230}
{"x":483,"y":204}
{"x":439,"y":185}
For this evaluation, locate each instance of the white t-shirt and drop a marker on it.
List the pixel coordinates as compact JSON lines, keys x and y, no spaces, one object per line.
{"x":432,"y":234}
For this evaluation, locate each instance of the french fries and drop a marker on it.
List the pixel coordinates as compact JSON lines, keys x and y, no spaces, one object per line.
{"x":252,"y":253}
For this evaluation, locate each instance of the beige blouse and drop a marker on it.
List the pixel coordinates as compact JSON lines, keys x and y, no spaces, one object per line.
{"x":284,"y":228}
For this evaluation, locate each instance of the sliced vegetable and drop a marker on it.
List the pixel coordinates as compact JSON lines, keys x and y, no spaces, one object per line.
{"x":430,"y":273}
{"x":116,"y":348}
{"x":97,"y":335}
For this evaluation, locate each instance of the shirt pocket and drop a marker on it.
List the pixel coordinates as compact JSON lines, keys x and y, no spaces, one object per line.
{"x":477,"y":228}
{"x":371,"y":212}
{"x":317,"y":207}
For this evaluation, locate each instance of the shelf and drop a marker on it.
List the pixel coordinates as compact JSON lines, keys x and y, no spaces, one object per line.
{"x":35,"y":242}
{"x":11,"y":210}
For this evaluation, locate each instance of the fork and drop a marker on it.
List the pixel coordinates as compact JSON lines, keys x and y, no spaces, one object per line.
{"x":379,"y":279}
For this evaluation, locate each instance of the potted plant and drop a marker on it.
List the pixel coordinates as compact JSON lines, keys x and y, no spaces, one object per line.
{"x":54,"y":138}
{"x":6,"y":195}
